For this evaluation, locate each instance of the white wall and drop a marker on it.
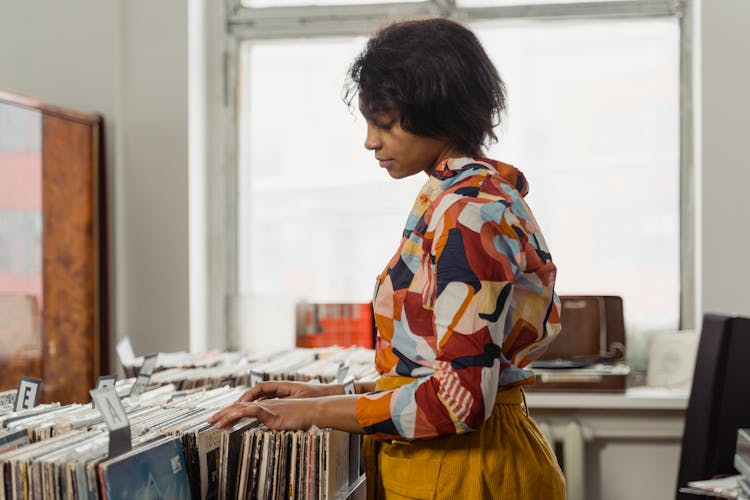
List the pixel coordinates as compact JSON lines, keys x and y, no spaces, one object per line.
{"x":46,"y":51}
{"x":127,"y":60}
{"x":723,"y":154}
{"x":153,"y":250}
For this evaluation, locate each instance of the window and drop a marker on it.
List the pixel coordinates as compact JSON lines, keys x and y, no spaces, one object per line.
{"x":494,"y":3}
{"x":593,"y":121}
{"x":317,"y":216}
{"x":300,"y":3}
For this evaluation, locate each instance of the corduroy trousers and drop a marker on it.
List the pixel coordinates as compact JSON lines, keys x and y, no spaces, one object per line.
{"x":507,"y":458}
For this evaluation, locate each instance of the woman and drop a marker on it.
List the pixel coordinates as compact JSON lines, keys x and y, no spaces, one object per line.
{"x":465,"y":303}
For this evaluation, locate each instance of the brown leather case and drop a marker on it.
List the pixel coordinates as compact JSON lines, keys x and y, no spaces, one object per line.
{"x":592,"y":325}
{"x":593,"y":330}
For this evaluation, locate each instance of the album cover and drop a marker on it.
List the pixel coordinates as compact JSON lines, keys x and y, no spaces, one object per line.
{"x":153,"y":472}
{"x":244,"y":464}
{"x":231,"y":445}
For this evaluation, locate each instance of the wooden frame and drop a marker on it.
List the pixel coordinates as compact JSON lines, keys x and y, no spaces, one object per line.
{"x":75,"y":317}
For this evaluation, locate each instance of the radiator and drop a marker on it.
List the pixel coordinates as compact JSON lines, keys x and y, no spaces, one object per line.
{"x":571,"y":439}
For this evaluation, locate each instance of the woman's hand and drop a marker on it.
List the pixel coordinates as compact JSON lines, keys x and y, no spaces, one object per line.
{"x":276,"y":414}
{"x":284,"y":389}
{"x":336,"y":412}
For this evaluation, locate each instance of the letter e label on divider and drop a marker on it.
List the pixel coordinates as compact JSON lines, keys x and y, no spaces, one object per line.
{"x":28,"y":390}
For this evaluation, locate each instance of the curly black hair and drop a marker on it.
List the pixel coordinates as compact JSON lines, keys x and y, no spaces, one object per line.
{"x":437,"y":75}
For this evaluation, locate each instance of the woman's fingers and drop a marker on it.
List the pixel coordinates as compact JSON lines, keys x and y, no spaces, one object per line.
{"x":285,"y":389}
{"x":231,"y":414}
{"x":251,"y":394}
{"x":267,"y":390}
{"x":277,"y":414}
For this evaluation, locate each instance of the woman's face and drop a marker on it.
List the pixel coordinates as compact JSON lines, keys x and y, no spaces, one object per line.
{"x":400,"y":152}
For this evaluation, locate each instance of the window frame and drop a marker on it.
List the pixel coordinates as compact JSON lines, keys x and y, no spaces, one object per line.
{"x":266,"y":23}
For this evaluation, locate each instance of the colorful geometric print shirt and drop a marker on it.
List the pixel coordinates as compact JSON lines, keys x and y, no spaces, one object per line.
{"x":465,"y":303}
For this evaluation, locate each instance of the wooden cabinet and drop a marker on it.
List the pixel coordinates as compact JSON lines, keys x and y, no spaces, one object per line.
{"x":54,"y":258}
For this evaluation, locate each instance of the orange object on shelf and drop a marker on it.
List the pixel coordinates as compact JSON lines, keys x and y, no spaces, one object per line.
{"x":341,"y":324}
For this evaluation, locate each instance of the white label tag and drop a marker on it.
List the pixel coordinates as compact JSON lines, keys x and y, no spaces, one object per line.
{"x":28,"y":390}
{"x":139,"y":386}
{"x":255,"y":378}
{"x":110,"y":406}
{"x":144,"y":375}
{"x":125,"y":352}
{"x":176,"y":464}
{"x":349,"y":387}
{"x":113,"y":413}
{"x":149,"y":364}
{"x":104,"y":382}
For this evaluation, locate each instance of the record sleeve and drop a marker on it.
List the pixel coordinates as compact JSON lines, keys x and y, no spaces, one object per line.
{"x":151,"y":472}
{"x":231,"y":445}
{"x":244,"y":471}
{"x":337,"y":464}
{"x":209,"y":461}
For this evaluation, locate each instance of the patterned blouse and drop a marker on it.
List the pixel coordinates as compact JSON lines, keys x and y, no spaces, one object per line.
{"x":465,"y":303}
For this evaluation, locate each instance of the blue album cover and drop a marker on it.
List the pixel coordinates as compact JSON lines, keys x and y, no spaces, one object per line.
{"x":154,"y":472}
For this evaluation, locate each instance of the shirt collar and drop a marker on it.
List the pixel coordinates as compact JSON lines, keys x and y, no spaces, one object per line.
{"x":453,"y":166}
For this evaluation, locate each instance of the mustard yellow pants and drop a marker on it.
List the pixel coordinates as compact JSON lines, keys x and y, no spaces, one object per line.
{"x":506,"y":458}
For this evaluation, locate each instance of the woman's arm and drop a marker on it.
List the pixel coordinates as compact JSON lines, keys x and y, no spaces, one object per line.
{"x":299,"y":406}
{"x":363,"y":387}
{"x":299,"y":390}
{"x":336,"y":412}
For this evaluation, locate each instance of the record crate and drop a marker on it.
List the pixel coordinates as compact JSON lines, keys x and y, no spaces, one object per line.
{"x":330,"y":324}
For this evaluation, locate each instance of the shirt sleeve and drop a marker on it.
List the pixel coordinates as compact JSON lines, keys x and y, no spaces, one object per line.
{"x":493,"y":309}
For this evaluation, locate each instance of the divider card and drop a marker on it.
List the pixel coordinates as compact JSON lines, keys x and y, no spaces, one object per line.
{"x":102,"y":382}
{"x":28,"y":390}
{"x":349,"y":387}
{"x":105,"y":381}
{"x":125,"y":351}
{"x":144,"y":375}
{"x":341,"y":373}
{"x":149,"y":364}
{"x":255,"y":378}
{"x":113,"y":413}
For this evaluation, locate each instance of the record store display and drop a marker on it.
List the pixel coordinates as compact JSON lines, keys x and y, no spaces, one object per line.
{"x":54,"y":451}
